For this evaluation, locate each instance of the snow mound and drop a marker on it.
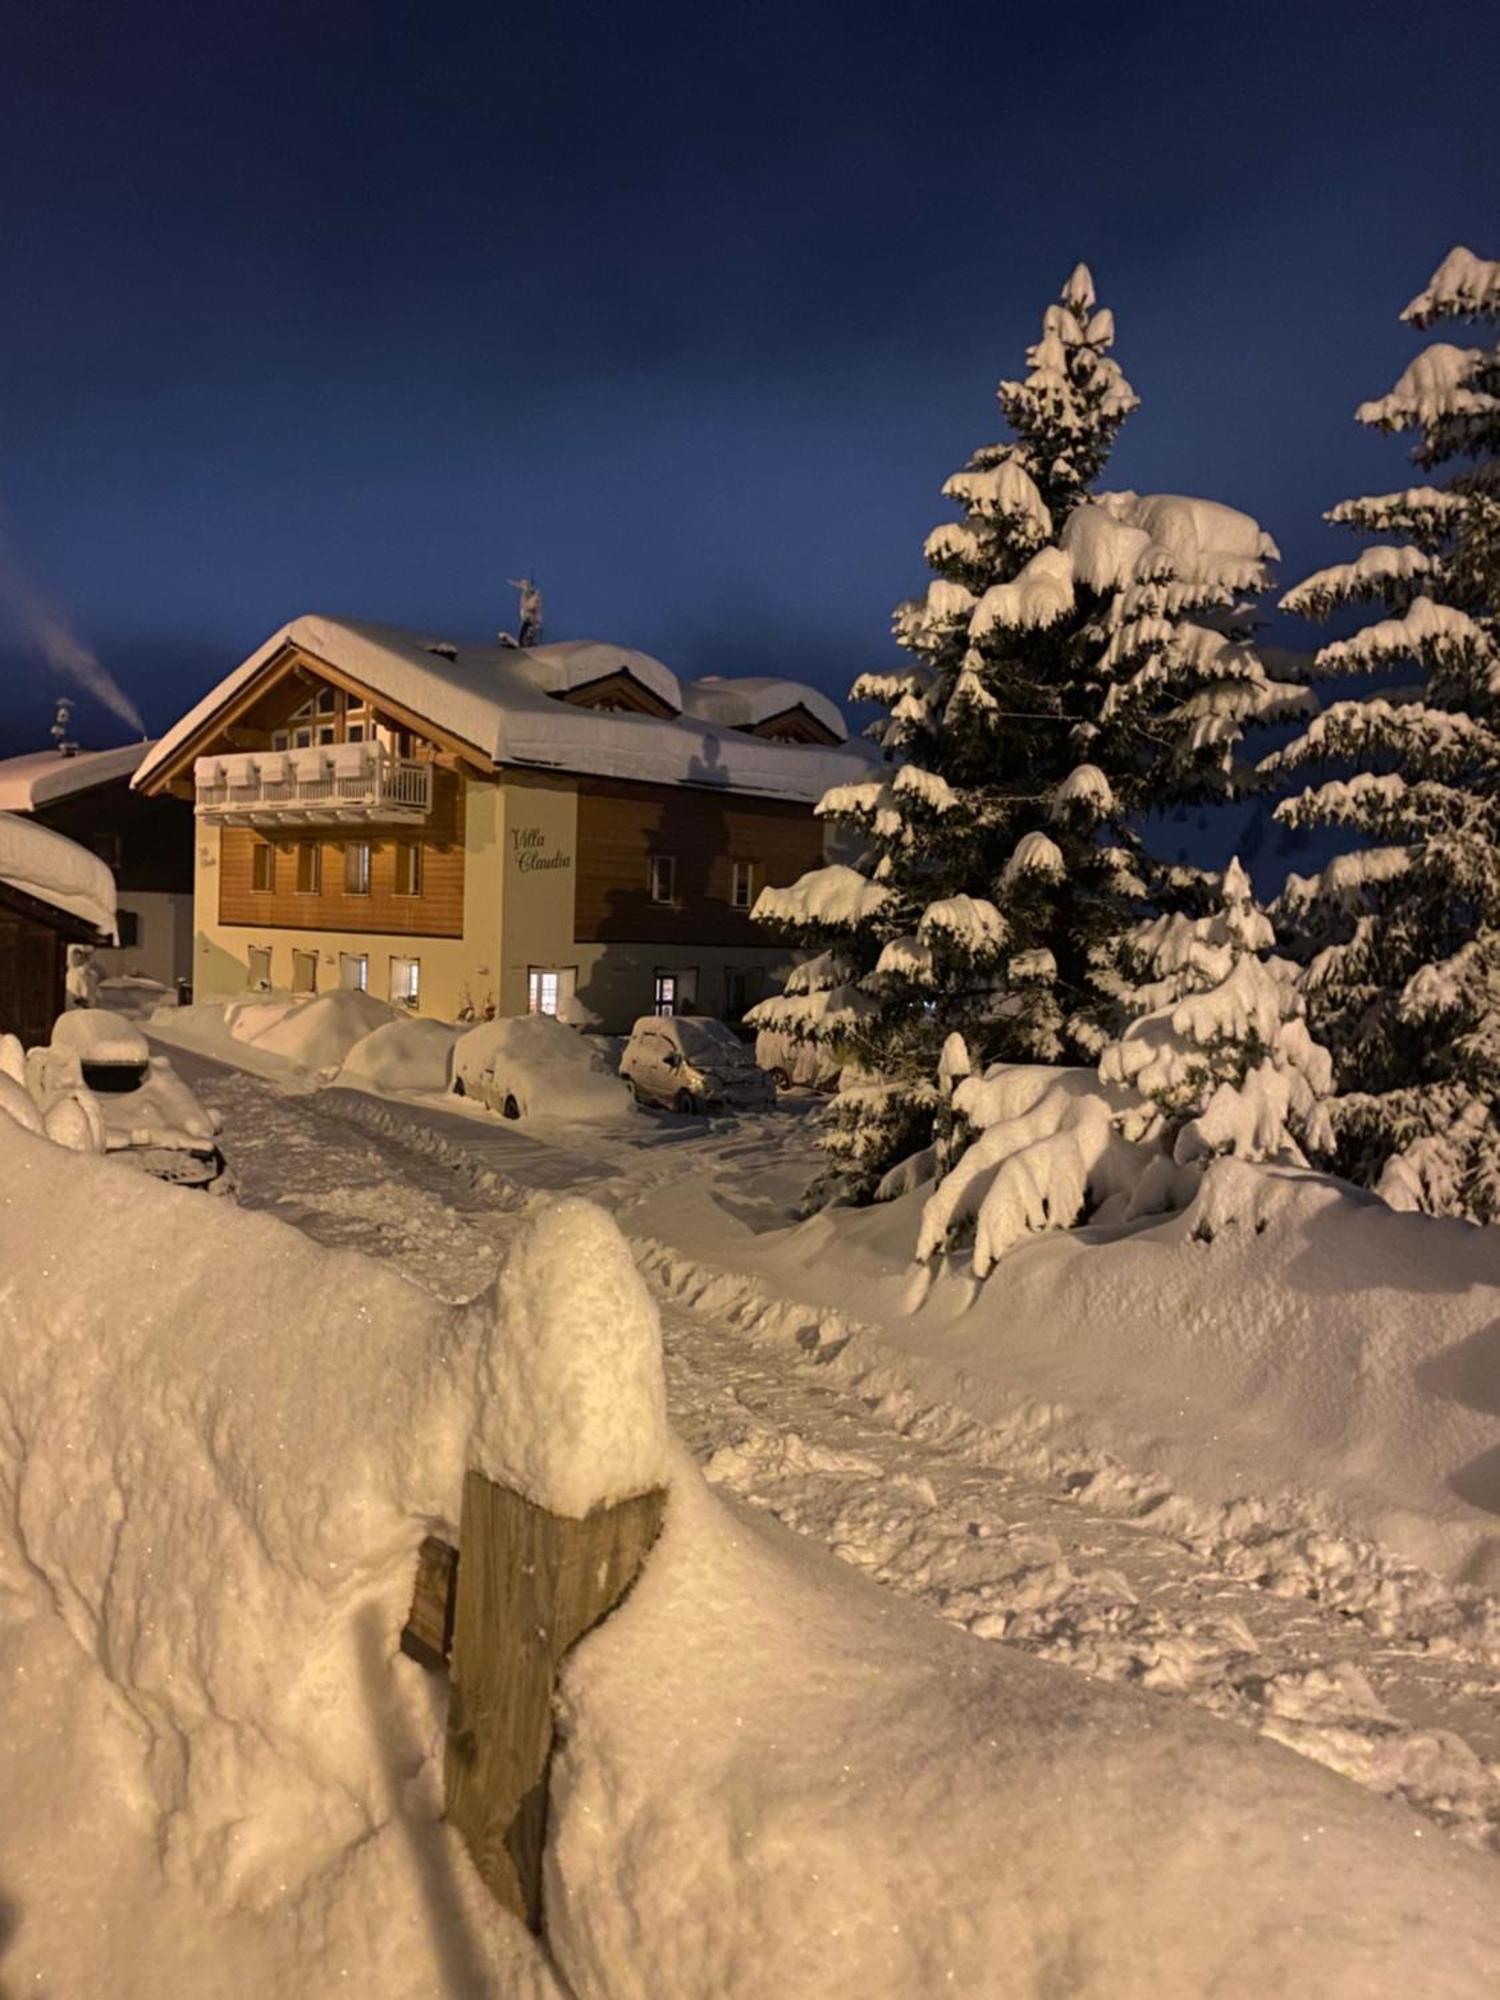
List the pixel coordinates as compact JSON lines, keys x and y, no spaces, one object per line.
{"x":572,"y":1408}
{"x":223,"y":1447}
{"x":403,"y":1055}
{"x":776,"y":1779}
{"x":313,"y":1034}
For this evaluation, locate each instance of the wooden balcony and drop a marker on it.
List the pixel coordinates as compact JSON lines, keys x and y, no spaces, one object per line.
{"x":328,"y":786}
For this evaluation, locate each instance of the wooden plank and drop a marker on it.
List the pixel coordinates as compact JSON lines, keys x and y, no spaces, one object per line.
{"x":621,"y":825}
{"x":530,"y":1585}
{"x":427,"y":1636}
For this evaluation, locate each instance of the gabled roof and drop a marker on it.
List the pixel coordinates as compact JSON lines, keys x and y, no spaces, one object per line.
{"x":42,"y":776}
{"x":503,"y":703}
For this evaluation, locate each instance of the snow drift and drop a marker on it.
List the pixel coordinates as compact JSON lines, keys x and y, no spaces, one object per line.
{"x":774,"y":1779}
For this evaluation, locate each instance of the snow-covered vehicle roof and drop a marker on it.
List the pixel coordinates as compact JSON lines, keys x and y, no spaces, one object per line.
{"x":543,"y":1065}
{"x":58,"y":871}
{"x":98,"y":1035}
{"x":505,"y":703}
{"x":43,"y":776}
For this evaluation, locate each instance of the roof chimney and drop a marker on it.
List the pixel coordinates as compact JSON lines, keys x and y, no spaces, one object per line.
{"x":61,"y":722}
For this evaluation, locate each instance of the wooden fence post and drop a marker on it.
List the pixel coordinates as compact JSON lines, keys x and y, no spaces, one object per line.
{"x":530,"y":1585}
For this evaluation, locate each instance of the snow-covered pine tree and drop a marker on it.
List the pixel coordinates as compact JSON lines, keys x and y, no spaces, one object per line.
{"x":1061,"y":684}
{"x":1217,"y":1054}
{"x":1403,"y":938}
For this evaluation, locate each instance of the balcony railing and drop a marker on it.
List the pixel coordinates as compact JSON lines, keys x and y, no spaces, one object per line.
{"x":329,"y":784}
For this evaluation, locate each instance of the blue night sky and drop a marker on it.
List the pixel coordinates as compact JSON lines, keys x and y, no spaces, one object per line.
{"x":688,"y":309}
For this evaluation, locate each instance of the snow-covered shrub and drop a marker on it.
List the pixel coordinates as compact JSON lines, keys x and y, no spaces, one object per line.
{"x":1402,"y":941}
{"x":1047,"y":1149}
{"x":1218,"y":1054}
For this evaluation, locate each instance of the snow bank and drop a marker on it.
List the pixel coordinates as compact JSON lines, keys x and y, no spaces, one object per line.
{"x":573,"y":1409}
{"x":775,"y":1779}
{"x":403,"y":1055}
{"x":222,"y":1446}
{"x":317,"y":1034}
{"x":43,"y":864}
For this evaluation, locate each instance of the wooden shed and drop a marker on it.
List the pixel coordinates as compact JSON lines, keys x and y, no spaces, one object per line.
{"x":34,"y":940}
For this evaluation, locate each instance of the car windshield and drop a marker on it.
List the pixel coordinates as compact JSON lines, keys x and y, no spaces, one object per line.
{"x":704,"y":1039}
{"x":112,"y":1078}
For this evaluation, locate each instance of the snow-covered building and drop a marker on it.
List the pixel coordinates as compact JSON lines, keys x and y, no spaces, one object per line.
{"x":474,"y":828}
{"x":146,"y":843}
{"x":53,"y":893}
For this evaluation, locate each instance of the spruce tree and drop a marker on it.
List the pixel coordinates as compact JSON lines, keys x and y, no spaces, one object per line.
{"x":1403,"y":937}
{"x":1217,"y":1057}
{"x":1075,"y":662}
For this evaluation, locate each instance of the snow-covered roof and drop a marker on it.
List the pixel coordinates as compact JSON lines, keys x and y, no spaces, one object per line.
{"x":41,"y":776}
{"x":43,"y":864}
{"x":754,"y":698}
{"x":502,"y":701}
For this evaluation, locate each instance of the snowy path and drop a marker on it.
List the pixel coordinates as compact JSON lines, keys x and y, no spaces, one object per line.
{"x":915,"y":1498}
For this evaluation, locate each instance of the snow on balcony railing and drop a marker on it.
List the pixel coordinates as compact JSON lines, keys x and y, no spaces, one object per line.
{"x":335,"y":782}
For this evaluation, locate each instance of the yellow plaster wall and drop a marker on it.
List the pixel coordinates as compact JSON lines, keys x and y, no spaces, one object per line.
{"x":539,"y":825}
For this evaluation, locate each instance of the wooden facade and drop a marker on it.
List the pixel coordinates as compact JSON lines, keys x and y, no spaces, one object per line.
{"x":436,"y":911}
{"x":34,"y":940}
{"x":622,"y":827}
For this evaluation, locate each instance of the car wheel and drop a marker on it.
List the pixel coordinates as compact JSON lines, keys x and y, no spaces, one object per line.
{"x":685,"y":1102}
{"x":510,"y":1108}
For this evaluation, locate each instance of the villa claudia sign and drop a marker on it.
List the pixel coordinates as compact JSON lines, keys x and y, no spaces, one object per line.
{"x":529,"y":850}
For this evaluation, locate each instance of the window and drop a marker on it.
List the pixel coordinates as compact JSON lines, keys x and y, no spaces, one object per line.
{"x":663,"y":878}
{"x":409,"y":868}
{"x":357,"y":869}
{"x":281,"y":739}
{"x":406,"y":981}
{"x":263,"y":866}
{"x":665,"y":1000}
{"x":302,"y":738}
{"x":258,"y":968}
{"x":541,"y":992}
{"x":736,"y":993}
{"x":327,"y":701}
{"x":742,"y":888}
{"x":354,"y":971}
{"x":327,"y":733}
{"x":127,"y":929}
{"x":304,"y":972}
{"x":355,"y":733}
{"x":309,"y":868}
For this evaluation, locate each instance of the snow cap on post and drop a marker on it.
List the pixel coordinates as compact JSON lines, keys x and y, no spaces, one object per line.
{"x":572,"y":1402}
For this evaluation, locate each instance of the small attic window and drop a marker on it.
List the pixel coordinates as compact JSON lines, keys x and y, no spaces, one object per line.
{"x":444,"y":648}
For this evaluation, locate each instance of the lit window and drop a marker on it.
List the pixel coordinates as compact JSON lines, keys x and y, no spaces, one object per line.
{"x":665,"y":1001}
{"x":263,"y":866}
{"x":406,"y":981}
{"x":357,"y":868}
{"x":354,"y":971}
{"x":309,"y":868}
{"x":409,"y":868}
{"x":542,"y":991}
{"x":742,"y":892}
{"x":663,"y":878}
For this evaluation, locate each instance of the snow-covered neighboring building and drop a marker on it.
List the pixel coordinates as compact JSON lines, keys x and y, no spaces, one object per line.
{"x":475,"y":828}
{"x":53,"y":893}
{"x":147,"y":845}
